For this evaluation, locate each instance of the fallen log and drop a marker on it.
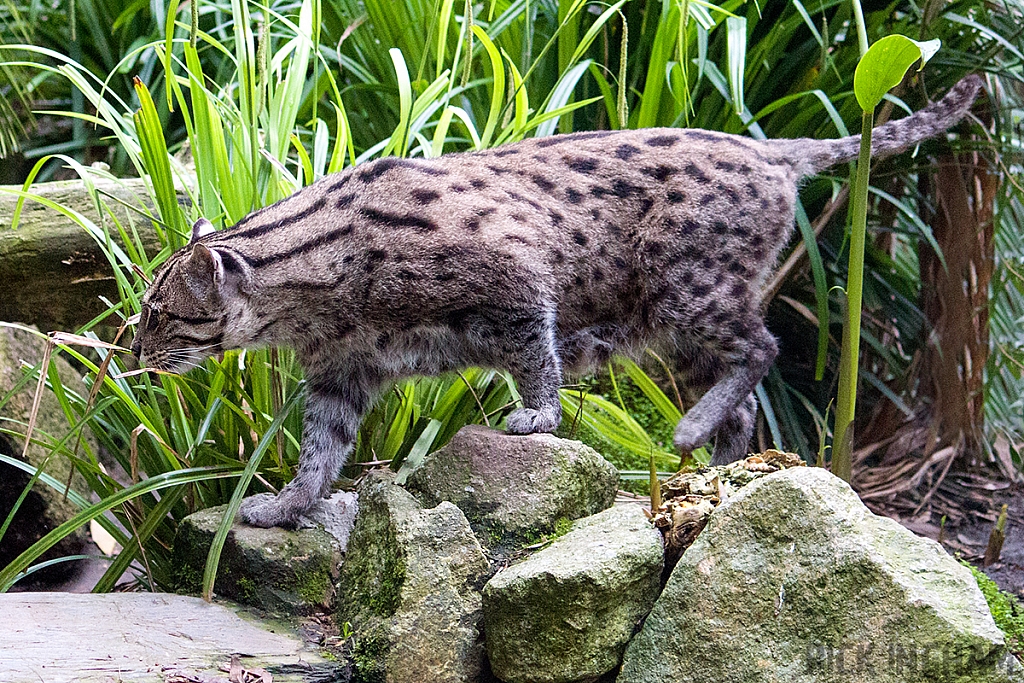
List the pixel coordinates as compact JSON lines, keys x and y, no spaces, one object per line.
{"x":52,"y":271}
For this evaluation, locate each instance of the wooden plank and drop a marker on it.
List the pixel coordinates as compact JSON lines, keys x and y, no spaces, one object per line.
{"x":143,"y":637}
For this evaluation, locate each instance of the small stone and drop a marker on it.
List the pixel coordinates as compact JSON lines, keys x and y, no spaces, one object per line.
{"x":336,"y":515}
{"x":280,"y":571}
{"x":567,"y":612}
{"x":793,"y":580}
{"x":410,"y":589}
{"x":515,"y":489}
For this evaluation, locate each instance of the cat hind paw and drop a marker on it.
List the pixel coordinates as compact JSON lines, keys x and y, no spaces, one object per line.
{"x":690,"y":435}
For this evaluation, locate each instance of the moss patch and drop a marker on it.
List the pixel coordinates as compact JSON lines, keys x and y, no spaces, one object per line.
{"x":562,"y":526}
{"x":1007,"y":611}
{"x":187,"y":579}
{"x":249,"y":591}
{"x":313,"y":584}
{"x":369,"y":654}
{"x":374,"y":570}
{"x":386,"y":599}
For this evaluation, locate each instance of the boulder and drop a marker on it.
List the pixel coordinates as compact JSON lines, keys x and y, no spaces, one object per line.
{"x":795,"y":581}
{"x":44,"y":508}
{"x":566,"y":612}
{"x":279,"y":571}
{"x":410,"y":589}
{"x":515,"y":489}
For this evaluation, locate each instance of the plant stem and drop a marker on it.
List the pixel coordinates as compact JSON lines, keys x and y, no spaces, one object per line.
{"x":842,"y":448}
{"x":655,"y":486}
{"x":862,"y":32}
{"x":996,"y":539}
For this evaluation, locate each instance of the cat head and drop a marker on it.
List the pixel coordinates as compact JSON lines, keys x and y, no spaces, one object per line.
{"x":196,"y":306}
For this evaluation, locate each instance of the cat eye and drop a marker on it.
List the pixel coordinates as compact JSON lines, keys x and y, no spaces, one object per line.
{"x":151,"y":320}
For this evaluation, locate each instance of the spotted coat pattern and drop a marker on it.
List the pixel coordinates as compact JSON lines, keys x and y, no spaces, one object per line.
{"x":541,"y":257}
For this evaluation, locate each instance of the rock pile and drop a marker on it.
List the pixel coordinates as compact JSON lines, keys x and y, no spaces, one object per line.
{"x":475,"y":572}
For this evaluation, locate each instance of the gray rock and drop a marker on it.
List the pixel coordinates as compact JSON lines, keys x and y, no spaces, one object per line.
{"x":410,"y":588}
{"x":515,"y":489}
{"x":286,"y":572}
{"x":566,"y":612}
{"x":44,"y":508}
{"x":795,"y":581}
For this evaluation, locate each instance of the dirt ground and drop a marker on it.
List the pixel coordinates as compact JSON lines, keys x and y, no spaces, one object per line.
{"x":968,"y":539}
{"x":1008,"y":573}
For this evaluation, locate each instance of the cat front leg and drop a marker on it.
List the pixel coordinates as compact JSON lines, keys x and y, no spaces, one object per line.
{"x":334,"y":408}
{"x":531,"y":356}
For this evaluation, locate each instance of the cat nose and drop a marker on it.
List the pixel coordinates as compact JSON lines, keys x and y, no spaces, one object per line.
{"x":136,"y":349}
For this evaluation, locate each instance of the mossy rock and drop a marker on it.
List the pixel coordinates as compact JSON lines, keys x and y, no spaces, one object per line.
{"x":515,"y":490}
{"x":567,"y":612}
{"x":280,"y":571}
{"x":410,"y":589}
{"x":55,"y":274}
{"x":794,"y":581}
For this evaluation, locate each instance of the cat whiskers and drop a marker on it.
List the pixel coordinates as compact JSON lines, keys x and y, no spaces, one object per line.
{"x":193,"y":349}
{"x":188,"y":357}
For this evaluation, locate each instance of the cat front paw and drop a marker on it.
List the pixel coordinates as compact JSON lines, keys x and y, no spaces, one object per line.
{"x":267,"y":510}
{"x":530,"y":421}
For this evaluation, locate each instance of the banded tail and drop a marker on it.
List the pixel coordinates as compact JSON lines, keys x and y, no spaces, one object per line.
{"x":812,"y":156}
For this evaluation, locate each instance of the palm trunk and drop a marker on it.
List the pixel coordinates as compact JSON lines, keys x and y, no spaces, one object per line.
{"x":954,"y":300}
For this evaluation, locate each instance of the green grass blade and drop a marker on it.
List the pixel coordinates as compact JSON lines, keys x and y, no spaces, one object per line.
{"x":154,"y":152}
{"x":399,"y":141}
{"x":651,"y":390}
{"x":498,"y":87}
{"x":217,"y":545}
{"x":736,"y":31}
{"x":155,"y":483}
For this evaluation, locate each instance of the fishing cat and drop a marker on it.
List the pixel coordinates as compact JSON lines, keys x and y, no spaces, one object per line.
{"x":541,"y":257}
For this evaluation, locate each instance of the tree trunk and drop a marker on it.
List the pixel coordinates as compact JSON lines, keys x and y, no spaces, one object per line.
{"x":954,"y":299}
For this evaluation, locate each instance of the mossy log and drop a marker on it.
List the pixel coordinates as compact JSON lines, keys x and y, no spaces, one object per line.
{"x":52,"y":270}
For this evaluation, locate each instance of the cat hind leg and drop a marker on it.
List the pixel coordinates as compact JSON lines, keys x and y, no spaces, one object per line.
{"x":747,"y":360}
{"x":732,"y":442}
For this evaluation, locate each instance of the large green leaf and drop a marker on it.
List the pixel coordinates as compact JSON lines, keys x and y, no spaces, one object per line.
{"x":884,"y":65}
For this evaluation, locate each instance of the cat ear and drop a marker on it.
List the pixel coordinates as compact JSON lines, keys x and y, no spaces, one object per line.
{"x":204,"y":270}
{"x":202,"y":228}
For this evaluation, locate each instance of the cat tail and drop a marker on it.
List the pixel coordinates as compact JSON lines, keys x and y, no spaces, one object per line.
{"x":813,"y":156}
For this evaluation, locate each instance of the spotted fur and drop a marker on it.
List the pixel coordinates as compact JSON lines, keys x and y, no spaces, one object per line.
{"x":542,"y":257}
